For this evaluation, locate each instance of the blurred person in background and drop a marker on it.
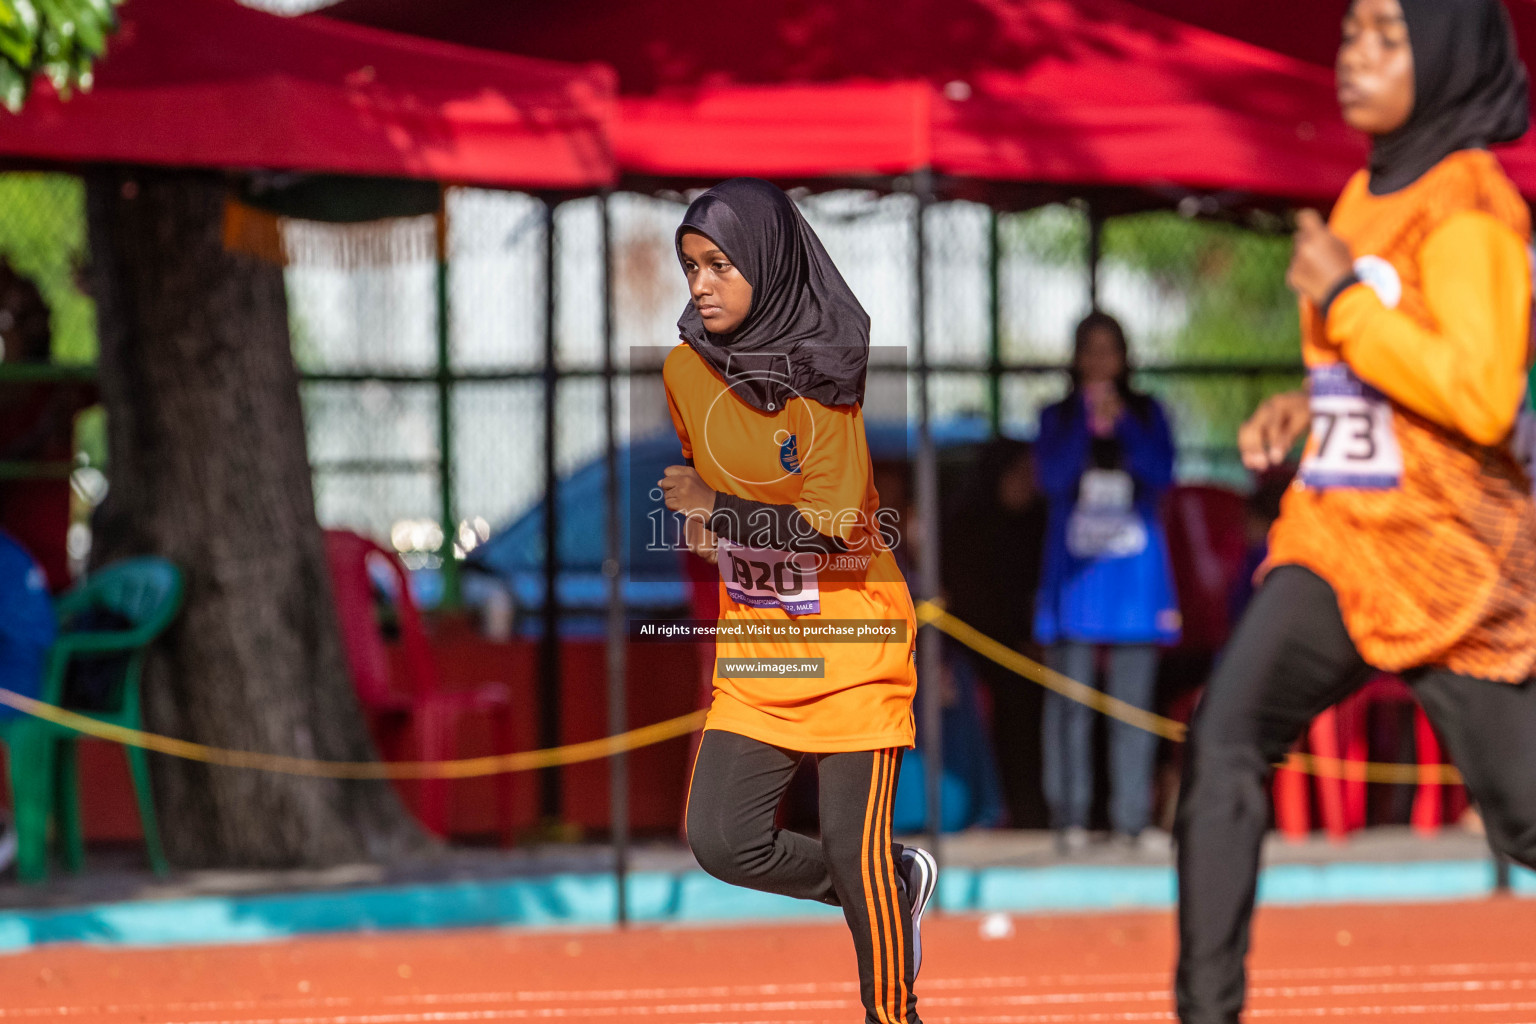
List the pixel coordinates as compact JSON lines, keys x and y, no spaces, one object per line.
{"x":1105,"y":456}
{"x":994,"y":541}
{"x":37,"y":424}
{"x":27,"y":629}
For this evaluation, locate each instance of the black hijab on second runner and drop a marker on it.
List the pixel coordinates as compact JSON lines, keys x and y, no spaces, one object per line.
{"x":806,"y":334}
{"x":1470,"y":89}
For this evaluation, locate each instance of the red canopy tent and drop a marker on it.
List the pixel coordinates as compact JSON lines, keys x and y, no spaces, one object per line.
{"x":992,"y":94}
{"x":1098,"y":92}
{"x":215,"y":84}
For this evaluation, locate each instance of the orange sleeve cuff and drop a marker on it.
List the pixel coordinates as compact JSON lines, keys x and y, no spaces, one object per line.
{"x":1461,"y":364}
{"x":1349,"y":312}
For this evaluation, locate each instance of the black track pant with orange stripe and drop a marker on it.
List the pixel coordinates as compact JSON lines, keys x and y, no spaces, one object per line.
{"x":1290,"y":658}
{"x":735,"y":793}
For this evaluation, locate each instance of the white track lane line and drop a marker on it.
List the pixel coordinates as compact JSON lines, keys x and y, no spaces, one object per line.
{"x":997,"y":986}
{"x":730,"y":1013}
{"x":777,"y":1009}
{"x":1419,"y":1010}
{"x":633,"y":995}
{"x":672,"y":1012}
{"x":1332,"y":992}
{"x":1415,"y":1009}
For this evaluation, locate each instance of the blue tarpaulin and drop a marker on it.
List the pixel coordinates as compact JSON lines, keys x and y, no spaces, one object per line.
{"x":651,"y":566}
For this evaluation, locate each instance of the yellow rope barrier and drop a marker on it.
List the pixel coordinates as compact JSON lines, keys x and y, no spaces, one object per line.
{"x":464,"y":768}
{"x":1327,"y":767}
{"x":592,"y":750}
{"x":1032,"y":670}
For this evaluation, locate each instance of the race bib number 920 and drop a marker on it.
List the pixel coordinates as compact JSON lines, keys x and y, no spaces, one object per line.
{"x":770,"y":578}
{"x":1353,"y":444}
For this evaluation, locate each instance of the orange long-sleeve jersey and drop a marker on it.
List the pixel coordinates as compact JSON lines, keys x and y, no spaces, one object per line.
{"x":816,"y":458}
{"x":1410,"y":503}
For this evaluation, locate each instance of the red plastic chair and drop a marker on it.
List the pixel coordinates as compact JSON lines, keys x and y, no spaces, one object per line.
{"x":1431,"y":796}
{"x":1343,"y":801}
{"x":413,"y":718}
{"x":1292,"y":811}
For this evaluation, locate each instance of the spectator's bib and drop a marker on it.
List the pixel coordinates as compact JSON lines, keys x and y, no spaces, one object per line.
{"x":1104,"y":523}
{"x":769,"y":578}
{"x":1352,"y":444}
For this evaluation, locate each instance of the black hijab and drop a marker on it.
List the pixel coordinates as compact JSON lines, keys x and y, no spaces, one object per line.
{"x":1470,"y":89}
{"x":806,"y":334}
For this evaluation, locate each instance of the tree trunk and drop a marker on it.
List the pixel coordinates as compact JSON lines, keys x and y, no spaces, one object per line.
{"x":208,"y":468}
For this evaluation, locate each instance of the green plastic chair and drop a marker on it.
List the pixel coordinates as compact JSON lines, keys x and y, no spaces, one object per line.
{"x":146,"y":592}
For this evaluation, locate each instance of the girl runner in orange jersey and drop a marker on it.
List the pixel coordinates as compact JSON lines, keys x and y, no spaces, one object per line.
{"x":766,"y":393}
{"x":1408,"y":542}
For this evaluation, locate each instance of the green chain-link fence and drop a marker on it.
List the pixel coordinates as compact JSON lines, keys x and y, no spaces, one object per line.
{"x":1211,"y":325}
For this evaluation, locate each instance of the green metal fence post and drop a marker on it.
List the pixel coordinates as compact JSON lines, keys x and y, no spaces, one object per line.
{"x":551,"y":780}
{"x":451,"y":592}
{"x":930,"y":664}
{"x":618,"y":645}
{"x":1095,"y":254}
{"x":995,"y":320}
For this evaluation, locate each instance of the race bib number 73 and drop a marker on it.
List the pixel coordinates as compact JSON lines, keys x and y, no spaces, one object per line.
{"x":1353,"y":444}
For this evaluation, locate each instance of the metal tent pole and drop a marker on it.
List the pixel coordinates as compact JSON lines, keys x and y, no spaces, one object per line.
{"x":930,"y":657}
{"x":446,"y":510}
{"x":995,"y":323}
{"x":1095,"y":254}
{"x":549,"y":640}
{"x":618,"y":711}
{"x":1501,"y":872}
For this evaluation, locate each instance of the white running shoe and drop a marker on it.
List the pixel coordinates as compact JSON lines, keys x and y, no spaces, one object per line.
{"x":7,"y":842}
{"x":920,"y":873}
{"x":1071,"y":842}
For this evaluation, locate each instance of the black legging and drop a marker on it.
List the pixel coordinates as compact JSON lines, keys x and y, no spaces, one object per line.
{"x":1291,"y":658}
{"x":735,"y":792}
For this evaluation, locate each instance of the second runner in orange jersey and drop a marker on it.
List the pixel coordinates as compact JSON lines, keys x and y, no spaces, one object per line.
{"x":1408,"y":542}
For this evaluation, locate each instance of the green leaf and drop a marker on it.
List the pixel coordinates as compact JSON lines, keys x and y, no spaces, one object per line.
{"x":58,"y":39}
{"x":90,"y":34}
{"x":17,"y":48}
{"x":13,"y":87}
{"x":26,"y":13}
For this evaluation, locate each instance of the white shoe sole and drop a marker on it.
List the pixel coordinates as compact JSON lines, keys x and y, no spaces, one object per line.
{"x":7,"y":847}
{"x":924,"y":878}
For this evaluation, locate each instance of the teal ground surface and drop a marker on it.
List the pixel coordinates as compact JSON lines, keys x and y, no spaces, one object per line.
{"x":588,"y":900}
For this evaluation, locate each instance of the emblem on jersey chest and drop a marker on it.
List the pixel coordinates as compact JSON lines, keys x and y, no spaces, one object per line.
{"x":789,"y":454}
{"x":1383,"y":279}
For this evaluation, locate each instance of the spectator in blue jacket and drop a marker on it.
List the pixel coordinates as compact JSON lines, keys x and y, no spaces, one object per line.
{"x":27,"y":625}
{"x":27,"y":628}
{"x":1105,"y":457}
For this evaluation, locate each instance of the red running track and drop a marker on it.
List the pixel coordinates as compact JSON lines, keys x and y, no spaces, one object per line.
{"x":1423,"y":963}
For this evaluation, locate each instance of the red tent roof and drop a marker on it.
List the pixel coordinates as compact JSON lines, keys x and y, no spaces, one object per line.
{"x":215,"y":84}
{"x":1099,"y":92}
{"x":1093,"y":92}
{"x":1309,"y":31}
